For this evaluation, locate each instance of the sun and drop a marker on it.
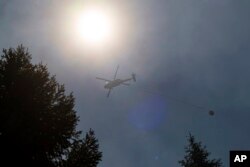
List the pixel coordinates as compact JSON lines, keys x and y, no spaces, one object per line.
{"x":94,"y":26}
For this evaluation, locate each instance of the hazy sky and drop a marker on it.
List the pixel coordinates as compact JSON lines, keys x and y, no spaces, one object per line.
{"x":195,"y":51}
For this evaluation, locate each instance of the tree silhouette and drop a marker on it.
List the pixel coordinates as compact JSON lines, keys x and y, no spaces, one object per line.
{"x":88,"y":149}
{"x":197,"y":155}
{"x":37,"y":120}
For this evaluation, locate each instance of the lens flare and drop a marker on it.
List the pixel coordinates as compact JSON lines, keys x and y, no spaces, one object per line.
{"x":148,"y":114}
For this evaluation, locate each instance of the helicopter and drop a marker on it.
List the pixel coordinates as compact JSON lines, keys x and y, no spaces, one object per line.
{"x":111,"y":84}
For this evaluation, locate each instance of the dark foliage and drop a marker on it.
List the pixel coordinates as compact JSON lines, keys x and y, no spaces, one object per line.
{"x":37,"y":120}
{"x":88,"y":149}
{"x":197,"y":155}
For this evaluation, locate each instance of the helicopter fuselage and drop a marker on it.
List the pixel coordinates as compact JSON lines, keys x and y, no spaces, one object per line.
{"x":114,"y":83}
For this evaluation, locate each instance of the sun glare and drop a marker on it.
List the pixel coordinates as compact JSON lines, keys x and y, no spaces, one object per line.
{"x":94,"y":26}
{"x":91,"y":30}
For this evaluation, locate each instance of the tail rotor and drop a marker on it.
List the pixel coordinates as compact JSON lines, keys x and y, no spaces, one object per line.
{"x":133,"y":77}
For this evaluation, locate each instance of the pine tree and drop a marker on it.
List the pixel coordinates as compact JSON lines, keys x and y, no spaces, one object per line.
{"x":88,"y":149}
{"x":197,"y":155}
{"x":37,"y":119}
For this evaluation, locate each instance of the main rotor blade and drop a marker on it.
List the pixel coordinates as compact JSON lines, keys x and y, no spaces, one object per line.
{"x":103,"y":79}
{"x":108,"y":92}
{"x":116,"y":71}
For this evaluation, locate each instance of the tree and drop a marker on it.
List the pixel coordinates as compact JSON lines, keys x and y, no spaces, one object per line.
{"x":88,"y":149}
{"x":37,"y":120}
{"x":197,"y":155}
